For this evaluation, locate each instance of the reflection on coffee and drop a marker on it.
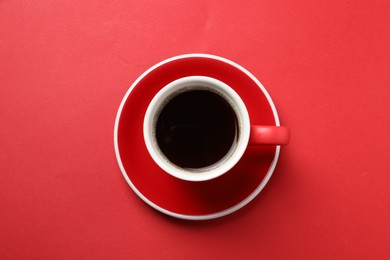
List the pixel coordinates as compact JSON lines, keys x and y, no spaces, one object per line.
{"x":196,"y":129}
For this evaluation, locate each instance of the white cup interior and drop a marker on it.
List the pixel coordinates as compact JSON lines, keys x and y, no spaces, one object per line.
{"x":197,"y":83}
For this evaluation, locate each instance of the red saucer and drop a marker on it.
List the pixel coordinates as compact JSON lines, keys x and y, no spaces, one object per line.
{"x":183,"y":199}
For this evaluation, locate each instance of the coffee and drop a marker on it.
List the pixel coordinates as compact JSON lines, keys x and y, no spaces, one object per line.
{"x":196,"y":129}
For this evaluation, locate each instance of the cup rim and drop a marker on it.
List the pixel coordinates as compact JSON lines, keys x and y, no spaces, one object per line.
{"x":182,"y":85}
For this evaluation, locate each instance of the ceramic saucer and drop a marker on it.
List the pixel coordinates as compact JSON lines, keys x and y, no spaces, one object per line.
{"x":183,"y":199}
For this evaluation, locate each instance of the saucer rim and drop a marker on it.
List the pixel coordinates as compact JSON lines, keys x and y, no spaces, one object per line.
{"x":227,"y":211}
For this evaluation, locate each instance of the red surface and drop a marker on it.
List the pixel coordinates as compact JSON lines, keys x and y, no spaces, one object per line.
{"x":65,"y":66}
{"x":183,"y":197}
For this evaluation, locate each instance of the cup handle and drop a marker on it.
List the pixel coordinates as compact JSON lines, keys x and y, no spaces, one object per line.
{"x":269,"y":135}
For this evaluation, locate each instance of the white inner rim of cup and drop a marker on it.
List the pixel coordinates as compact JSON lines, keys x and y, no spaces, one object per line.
{"x":197,"y":83}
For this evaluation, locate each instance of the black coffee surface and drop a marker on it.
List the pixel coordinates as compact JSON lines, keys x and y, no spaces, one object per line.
{"x":196,"y":129}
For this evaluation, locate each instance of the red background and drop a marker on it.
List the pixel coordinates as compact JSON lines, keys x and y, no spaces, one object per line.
{"x":65,"y":66}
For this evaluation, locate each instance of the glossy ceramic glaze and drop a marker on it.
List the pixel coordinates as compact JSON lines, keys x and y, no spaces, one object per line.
{"x":179,"y":198}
